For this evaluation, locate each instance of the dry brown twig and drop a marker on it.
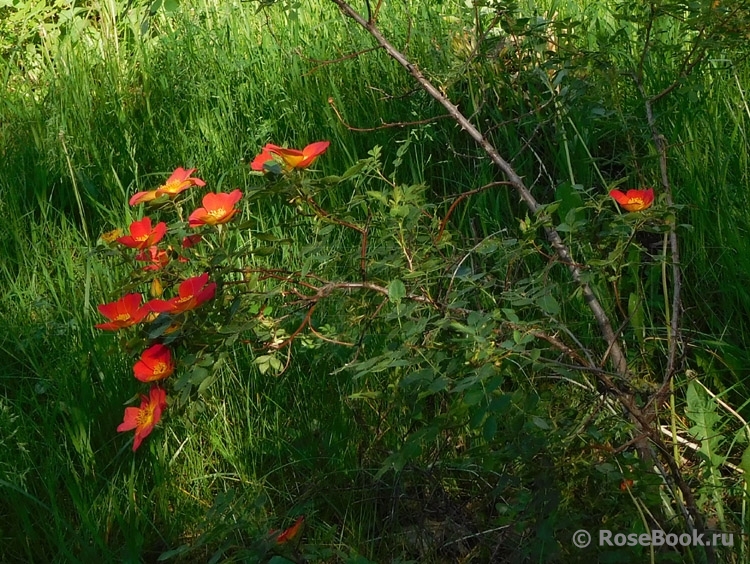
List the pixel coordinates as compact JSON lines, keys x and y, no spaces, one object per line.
{"x":332,"y":103}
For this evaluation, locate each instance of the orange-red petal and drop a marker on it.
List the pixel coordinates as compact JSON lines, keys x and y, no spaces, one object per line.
{"x":155,"y":364}
{"x":217,"y":208}
{"x":158,"y":258}
{"x":142,"y":235}
{"x":123,"y":313}
{"x":141,"y":197}
{"x":144,"y":418}
{"x":316,"y":149}
{"x":191,"y":240}
{"x":191,"y":293}
{"x":288,"y":534}
{"x":634,"y":200}
{"x":179,"y":181}
{"x":291,"y":158}
{"x":260,"y":160}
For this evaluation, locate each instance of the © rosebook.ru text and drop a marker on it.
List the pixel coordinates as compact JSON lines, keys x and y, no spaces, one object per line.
{"x":657,"y":537}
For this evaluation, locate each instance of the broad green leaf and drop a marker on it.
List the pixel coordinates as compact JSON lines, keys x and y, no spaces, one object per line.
{"x":198,"y":375}
{"x":745,"y":463}
{"x":490,"y":428}
{"x":353,"y":170}
{"x":500,"y":404}
{"x":702,"y":411}
{"x":439,"y":384}
{"x":635,"y":311}
{"x":419,"y":377}
{"x":549,"y":305}
{"x":174,"y":552}
{"x":539,"y":422}
{"x":473,"y":397}
{"x":477,"y":417}
{"x":396,"y":290}
{"x":159,"y":326}
{"x":263,"y":251}
{"x":511,"y":315}
{"x":206,"y":383}
{"x":380,"y":196}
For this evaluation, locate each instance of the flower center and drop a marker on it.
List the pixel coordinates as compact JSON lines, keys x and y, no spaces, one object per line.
{"x":218,"y":213}
{"x":141,"y":238}
{"x":171,"y":187}
{"x":145,"y":416}
{"x":160,"y":368}
{"x":122,"y":317}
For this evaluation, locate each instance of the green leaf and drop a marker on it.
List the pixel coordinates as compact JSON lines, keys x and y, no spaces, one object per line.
{"x":353,"y":170}
{"x":174,"y":552}
{"x":263,"y":251}
{"x":396,"y":290}
{"x":401,"y":210}
{"x":332,"y":179}
{"x":183,"y":382}
{"x":379,"y":196}
{"x":745,"y":465}
{"x":159,"y":326}
{"x":206,"y":383}
{"x":422,"y":376}
{"x":490,"y":428}
{"x":477,"y":417}
{"x":539,"y":422}
{"x":473,"y":397}
{"x":511,"y":315}
{"x":637,"y":316}
{"x":702,"y":411}
{"x":198,"y":375}
{"x":500,"y":404}
{"x":439,"y":384}
{"x":549,"y":305}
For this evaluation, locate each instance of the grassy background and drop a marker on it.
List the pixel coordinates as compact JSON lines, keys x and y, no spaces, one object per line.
{"x":93,"y":112}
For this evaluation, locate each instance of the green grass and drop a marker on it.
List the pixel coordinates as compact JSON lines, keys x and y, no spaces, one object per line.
{"x":98,"y":114}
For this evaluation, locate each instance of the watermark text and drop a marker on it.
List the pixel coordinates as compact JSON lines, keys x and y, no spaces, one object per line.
{"x":655,"y":537}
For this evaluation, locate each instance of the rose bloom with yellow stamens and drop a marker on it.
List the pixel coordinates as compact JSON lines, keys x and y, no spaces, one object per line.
{"x":144,"y":418}
{"x":217,"y":208}
{"x":155,"y":364}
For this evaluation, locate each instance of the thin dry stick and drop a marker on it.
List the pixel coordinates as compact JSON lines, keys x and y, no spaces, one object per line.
{"x":321,"y":64}
{"x":617,"y":355}
{"x":383,"y":126}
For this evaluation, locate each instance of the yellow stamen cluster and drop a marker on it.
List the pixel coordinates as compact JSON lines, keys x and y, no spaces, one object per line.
{"x":146,"y":415}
